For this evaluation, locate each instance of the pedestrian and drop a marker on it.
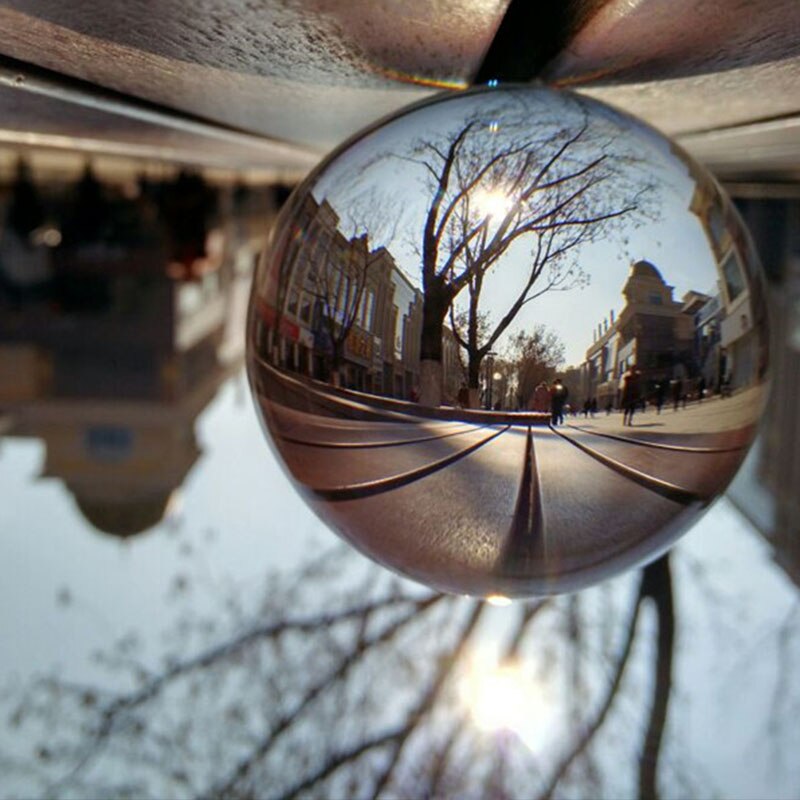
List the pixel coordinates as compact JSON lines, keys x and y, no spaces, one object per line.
{"x":631,"y":380}
{"x":541,"y":398}
{"x":677,"y":392}
{"x":701,"y":389}
{"x":558,"y":399}
{"x":661,"y":391}
{"x":462,"y":398}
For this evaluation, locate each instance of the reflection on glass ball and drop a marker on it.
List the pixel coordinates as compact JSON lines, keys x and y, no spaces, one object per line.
{"x":509,"y":342}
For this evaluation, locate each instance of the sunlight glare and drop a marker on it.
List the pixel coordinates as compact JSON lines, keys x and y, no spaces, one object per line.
{"x":493,"y":203}
{"x":503,"y":697}
{"x":498,"y":600}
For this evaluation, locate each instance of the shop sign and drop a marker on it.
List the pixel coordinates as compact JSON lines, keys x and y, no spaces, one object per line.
{"x":358,"y":345}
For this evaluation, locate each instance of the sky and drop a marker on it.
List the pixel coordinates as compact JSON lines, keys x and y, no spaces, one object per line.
{"x":363,"y":178}
{"x":240,"y":519}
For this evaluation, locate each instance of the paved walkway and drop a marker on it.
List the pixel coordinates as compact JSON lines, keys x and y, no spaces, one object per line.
{"x":504,"y":508}
{"x":713,"y":415}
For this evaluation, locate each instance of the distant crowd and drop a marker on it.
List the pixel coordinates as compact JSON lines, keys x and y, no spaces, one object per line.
{"x":632,"y":397}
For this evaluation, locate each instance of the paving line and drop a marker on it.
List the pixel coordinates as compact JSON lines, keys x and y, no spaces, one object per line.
{"x":369,"y":488}
{"x":657,"y":445}
{"x":664,"y":488}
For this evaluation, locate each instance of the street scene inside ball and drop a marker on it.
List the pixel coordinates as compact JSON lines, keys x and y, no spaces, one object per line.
{"x":510,"y":342}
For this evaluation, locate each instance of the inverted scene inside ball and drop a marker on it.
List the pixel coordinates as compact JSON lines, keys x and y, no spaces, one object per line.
{"x":509,"y":342}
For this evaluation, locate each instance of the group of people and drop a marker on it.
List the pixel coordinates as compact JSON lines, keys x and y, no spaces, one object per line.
{"x":632,"y":397}
{"x":551,"y":399}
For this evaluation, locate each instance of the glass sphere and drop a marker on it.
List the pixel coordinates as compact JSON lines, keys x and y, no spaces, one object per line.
{"x":509,"y":341}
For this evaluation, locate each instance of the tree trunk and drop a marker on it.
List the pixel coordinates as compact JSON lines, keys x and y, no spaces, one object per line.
{"x":436,"y":301}
{"x":430,"y":382}
{"x":474,"y":355}
{"x":473,"y":350}
{"x":474,"y":381}
{"x":335,"y":377}
{"x":474,"y":372}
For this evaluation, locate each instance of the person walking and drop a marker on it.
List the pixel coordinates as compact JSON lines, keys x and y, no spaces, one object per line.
{"x":631,"y":380}
{"x":701,"y":388}
{"x":677,"y":392}
{"x":661,"y":391}
{"x":541,"y":398}
{"x":558,"y":399}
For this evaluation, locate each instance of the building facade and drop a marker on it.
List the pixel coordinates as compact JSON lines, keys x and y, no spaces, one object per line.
{"x":338,"y":310}
{"x":653,"y":331}
{"x":736,"y":357}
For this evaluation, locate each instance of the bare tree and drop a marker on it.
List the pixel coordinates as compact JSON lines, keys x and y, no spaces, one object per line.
{"x":535,"y":356}
{"x":480,"y":337}
{"x":333,"y":690}
{"x":340,"y":289}
{"x":555,"y":184}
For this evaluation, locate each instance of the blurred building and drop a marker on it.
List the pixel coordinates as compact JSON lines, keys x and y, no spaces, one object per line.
{"x":110,"y":358}
{"x":767,"y":489}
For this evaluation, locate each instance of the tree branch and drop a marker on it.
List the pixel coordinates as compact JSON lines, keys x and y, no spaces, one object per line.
{"x":657,"y":584}
{"x":428,"y":699}
{"x":583,"y":740}
{"x":226,"y":786}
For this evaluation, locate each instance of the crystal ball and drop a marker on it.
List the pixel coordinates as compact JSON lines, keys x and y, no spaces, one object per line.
{"x":509,"y":341}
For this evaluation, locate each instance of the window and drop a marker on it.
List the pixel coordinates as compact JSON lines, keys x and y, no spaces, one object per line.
{"x":734,"y":281}
{"x":294,"y":299}
{"x":109,"y":443}
{"x":305,"y":308}
{"x":655,"y":300}
{"x":398,"y":337}
{"x":716,"y":224}
{"x":368,"y":310}
{"x":343,"y":301}
{"x":311,"y":275}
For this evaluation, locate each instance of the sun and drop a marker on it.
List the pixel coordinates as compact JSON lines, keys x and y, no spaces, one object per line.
{"x":492,"y":203}
{"x":504,"y":697}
